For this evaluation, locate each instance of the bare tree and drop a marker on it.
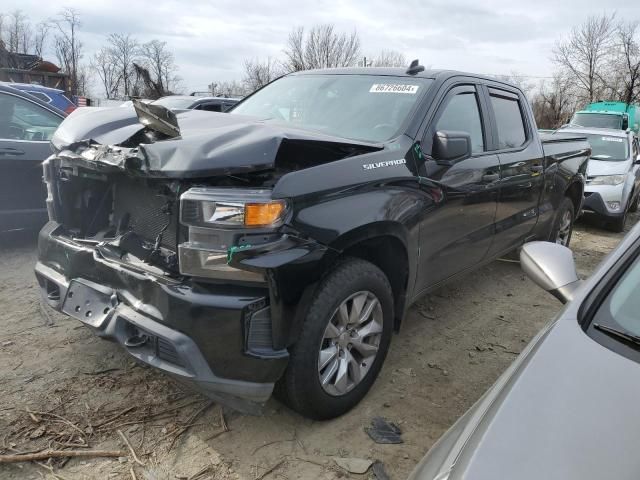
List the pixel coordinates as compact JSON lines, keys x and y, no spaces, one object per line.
{"x":258,"y":73}
{"x":40,"y":39}
{"x":68,"y":45}
{"x":321,"y":47}
{"x":585,"y":52}
{"x":160,"y":64}
{"x":519,"y":80}
{"x":124,"y":51}
{"x":389,"y":58}
{"x":626,"y":67}
{"x":104,"y":65}
{"x":555,"y":101}
{"x":230,"y":88}
{"x":19,"y":33}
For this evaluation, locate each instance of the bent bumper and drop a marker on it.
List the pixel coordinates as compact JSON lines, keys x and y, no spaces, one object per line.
{"x":594,"y":205}
{"x":202,"y":334}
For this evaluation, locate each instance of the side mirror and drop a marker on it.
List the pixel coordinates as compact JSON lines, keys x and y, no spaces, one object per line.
{"x":450,"y":147}
{"x":551,"y":267}
{"x":625,"y":122}
{"x":637,"y":159}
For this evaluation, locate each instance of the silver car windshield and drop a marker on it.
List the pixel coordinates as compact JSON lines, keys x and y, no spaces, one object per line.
{"x":606,"y":147}
{"x":362,"y":107}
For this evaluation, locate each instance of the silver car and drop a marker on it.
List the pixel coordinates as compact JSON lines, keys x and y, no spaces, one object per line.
{"x":567,"y":408}
{"x":613,"y":175}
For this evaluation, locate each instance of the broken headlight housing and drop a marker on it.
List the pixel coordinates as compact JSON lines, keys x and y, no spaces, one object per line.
{"x":221,"y":220}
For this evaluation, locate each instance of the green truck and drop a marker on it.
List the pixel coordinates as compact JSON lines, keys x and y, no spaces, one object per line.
{"x":617,"y":115}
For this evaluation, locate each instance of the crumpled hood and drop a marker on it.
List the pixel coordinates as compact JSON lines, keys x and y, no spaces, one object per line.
{"x":209,"y":144}
{"x":607,"y":167}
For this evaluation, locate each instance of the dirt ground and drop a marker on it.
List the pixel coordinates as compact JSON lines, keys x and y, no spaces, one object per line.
{"x":62,"y":388}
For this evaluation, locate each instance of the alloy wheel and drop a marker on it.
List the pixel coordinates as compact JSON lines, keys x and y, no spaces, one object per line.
{"x":350,"y":343}
{"x":564,"y":230}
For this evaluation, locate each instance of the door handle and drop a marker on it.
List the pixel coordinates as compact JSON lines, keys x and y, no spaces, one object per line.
{"x":536,"y":168}
{"x":11,"y":151}
{"x":490,"y":177}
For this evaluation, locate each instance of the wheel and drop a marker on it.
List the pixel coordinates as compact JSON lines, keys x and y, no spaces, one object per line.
{"x":343,"y":343}
{"x":563,"y":225}
{"x":618,"y":224}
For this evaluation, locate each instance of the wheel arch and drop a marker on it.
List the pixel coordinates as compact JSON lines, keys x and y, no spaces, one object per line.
{"x":385,"y":245}
{"x":575,"y":193}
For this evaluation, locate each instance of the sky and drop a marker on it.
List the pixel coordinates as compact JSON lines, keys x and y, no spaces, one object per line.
{"x":211,"y":39}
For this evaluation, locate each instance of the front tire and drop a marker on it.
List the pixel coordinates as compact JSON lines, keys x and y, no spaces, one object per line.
{"x":343,"y":343}
{"x":563,"y":224}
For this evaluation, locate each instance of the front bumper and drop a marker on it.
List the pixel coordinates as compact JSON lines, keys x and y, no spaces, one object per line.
{"x":200,"y":333}
{"x":595,"y":205}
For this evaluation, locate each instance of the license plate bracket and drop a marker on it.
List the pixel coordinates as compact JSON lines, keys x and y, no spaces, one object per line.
{"x":89,"y":302}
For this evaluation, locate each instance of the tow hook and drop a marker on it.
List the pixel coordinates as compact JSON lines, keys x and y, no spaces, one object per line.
{"x":136,"y":341}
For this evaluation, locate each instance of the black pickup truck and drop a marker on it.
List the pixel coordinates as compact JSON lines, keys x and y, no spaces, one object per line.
{"x":280,"y":245}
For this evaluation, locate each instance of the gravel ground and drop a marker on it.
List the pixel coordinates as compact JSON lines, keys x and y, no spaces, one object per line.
{"x":61,"y":387}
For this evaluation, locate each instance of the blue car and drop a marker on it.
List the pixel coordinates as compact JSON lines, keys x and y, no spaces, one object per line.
{"x":51,"y":96}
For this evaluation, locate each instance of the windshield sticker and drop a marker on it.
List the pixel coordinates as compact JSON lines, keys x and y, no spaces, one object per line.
{"x":612,"y":139}
{"x":393,"y":88}
{"x":388,"y":163}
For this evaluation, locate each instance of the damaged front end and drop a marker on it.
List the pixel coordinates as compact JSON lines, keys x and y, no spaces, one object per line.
{"x":190,"y":265}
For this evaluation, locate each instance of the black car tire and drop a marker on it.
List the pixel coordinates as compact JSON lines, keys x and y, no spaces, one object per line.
{"x":618,"y":224}
{"x":566,"y":206}
{"x":300,"y":387}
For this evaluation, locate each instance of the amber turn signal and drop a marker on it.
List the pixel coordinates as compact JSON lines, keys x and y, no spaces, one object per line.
{"x":263,"y":214}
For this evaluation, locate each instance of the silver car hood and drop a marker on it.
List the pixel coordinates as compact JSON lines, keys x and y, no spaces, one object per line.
{"x":606,"y":167}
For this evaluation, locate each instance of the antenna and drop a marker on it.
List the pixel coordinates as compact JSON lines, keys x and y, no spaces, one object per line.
{"x":415,"y":67}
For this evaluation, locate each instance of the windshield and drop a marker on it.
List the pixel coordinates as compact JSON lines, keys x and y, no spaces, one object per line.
{"x":606,"y":147}
{"x":174,"y":102}
{"x":363,"y":107}
{"x":597,"y":120}
{"x":620,"y":311}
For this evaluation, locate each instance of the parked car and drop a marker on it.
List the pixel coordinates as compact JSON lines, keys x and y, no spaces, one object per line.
{"x":188,"y":102}
{"x":566,"y":408}
{"x":51,"y":96}
{"x":613,"y":115}
{"x":26,"y":127}
{"x":284,"y":242}
{"x":613,"y":175}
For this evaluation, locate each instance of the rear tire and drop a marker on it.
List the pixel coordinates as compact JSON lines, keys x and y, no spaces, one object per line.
{"x":328,"y":374}
{"x":563,"y":224}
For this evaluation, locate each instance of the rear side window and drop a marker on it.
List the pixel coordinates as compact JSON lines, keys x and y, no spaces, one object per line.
{"x":462,"y":114}
{"x":509,"y":121}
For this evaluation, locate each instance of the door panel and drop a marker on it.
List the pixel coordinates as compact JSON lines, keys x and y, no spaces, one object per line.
{"x":457,"y":232}
{"x":25,"y":130}
{"x":521,"y":165}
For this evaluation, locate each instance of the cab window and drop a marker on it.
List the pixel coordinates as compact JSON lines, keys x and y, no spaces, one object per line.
{"x":509,"y":120}
{"x":462,"y":114}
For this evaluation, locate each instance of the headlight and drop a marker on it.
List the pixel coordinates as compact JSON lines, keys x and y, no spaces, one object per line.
{"x":221,"y":221}
{"x":607,"y":180}
{"x":209,"y":207}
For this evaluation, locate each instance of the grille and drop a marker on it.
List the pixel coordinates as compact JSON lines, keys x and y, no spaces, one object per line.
{"x":147,"y":209}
